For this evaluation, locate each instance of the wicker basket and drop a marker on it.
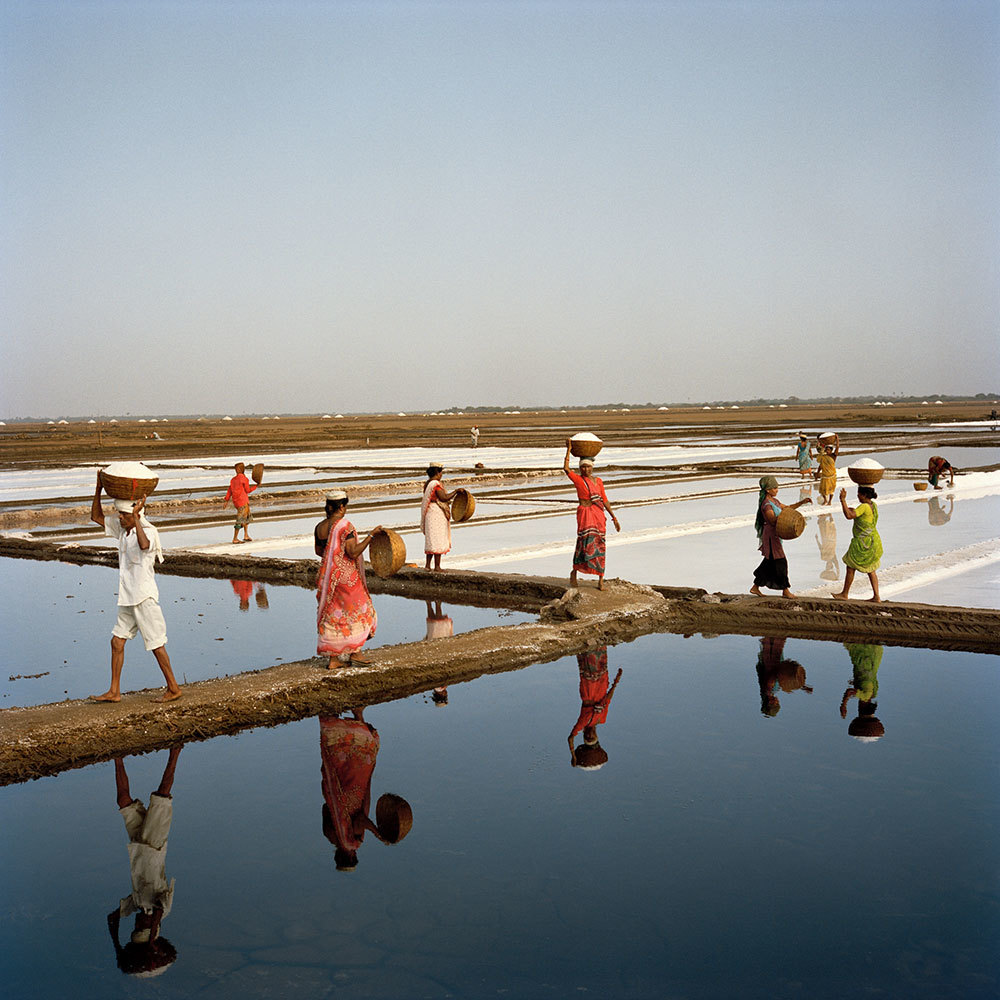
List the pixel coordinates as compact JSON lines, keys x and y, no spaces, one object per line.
{"x":120,"y":488}
{"x":463,"y":506}
{"x":790,"y":524}
{"x":387,"y":552}
{"x":257,"y":473}
{"x":393,"y":817}
{"x":865,"y":477}
{"x":585,"y":448}
{"x":920,"y":486}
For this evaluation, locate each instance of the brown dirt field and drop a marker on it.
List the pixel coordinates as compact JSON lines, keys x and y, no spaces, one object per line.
{"x":49,"y":445}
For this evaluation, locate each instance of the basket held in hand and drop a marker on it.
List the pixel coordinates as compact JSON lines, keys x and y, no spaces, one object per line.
{"x":790,"y":524}
{"x":257,"y":473}
{"x":387,"y":552}
{"x":463,"y":506}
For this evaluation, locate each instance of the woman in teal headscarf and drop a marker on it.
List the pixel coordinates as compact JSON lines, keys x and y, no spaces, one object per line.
{"x":773,"y":570}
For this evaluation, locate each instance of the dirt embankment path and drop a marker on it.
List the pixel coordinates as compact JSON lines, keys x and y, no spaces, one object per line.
{"x":51,"y":738}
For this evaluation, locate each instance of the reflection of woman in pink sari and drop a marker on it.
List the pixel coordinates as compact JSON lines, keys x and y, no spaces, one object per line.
{"x":349,"y":748}
{"x":346,"y":615}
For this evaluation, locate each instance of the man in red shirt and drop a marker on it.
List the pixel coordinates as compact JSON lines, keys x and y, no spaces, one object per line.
{"x":239,"y":492}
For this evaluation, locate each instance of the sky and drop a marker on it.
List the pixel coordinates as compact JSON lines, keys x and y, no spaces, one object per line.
{"x":294,"y":207}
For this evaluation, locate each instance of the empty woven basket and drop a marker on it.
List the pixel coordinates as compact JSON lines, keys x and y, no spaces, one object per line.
{"x":463,"y":506}
{"x":387,"y":552}
{"x":257,"y":473}
{"x":790,"y":524}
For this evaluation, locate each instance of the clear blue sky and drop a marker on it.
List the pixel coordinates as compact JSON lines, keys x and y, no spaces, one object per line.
{"x":296,"y":207}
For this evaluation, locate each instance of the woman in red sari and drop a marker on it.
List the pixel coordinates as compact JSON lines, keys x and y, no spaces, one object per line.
{"x":591,"y":524}
{"x":346,"y":615}
{"x":349,"y":748}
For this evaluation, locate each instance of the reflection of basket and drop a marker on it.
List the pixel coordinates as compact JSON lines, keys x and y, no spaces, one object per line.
{"x":121,"y":488}
{"x":257,"y":473}
{"x":865,"y":477}
{"x":393,"y":817}
{"x":387,"y":552}
{"x":261,"y":599}
{"x":463,"y":506}
{"x":585,"y":448}
{"x":920,"y":486}
{"x":790,"y":524}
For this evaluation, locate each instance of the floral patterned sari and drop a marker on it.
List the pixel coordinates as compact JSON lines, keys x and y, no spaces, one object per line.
{"x":346,"y":615}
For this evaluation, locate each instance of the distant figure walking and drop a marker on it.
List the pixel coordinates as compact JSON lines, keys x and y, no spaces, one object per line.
{"x":345,"y":616}
{"x":239,"y":492}
{"x":474,"y":433}
{"x":591,"y":524}
{"x":865,"y":551}
{"x":435,"y":517}
{"x":803,"y":455}
{"x":827,"y":471}
{"x":138,"y":596}
{"x":773,"y":569}
{"x":936,"y":468}
{"x":152,"y":896}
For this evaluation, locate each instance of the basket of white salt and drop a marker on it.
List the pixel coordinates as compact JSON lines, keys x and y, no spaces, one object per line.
{"x":128,"y":480}
{"x":865,"y":471}
{"x":585,"y":445}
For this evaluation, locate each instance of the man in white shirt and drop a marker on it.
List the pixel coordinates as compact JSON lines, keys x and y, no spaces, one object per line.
{"x":138,"y":597}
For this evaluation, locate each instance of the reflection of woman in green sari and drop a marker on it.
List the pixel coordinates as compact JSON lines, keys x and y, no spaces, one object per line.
{"x":866,"y":659}
{"x":865,"y":551}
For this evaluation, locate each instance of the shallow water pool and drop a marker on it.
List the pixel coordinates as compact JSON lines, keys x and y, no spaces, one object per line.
{"x":738,"y":841}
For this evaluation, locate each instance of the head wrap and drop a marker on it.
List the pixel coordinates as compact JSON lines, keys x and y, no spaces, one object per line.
{"x":766,"y":483}
{"x":587,"y":461}
{"x":336,"y":495}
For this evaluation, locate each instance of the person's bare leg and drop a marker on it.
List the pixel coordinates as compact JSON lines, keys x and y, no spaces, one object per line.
{"x":121,"y":784}
{"x":600,"y":583}
{"x":572,"y":578}
{"x":167,"y":781}
{"x":848,"y":580}
{"x":873,"y":579}
{"x":437,"y":562}
{"x":114,"y":693}
{"x":755,"y":590}
{"x":427,"y":561}
{"x":236,"y":537}
{"x":787,"y":593}
{"x":173,"y":691}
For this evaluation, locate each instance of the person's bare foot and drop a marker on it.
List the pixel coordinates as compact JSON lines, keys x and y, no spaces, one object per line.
{"x":247,"y":538}
{"x":875,"y":600}
{"x":237,"y":541}
{"x":600,"y":585}
{"x":755,"y":590}
{"x":107,"y":696}
{"x":839,"y":596}
{"x":168,"y":696}
{"x":787,"y":594}
{"x":358,"y":658}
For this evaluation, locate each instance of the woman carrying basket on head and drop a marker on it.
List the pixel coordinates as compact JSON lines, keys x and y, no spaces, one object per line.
{"x":865,"y":550}
{"x":346,"y":615}
{"x":435,"y":516}
{"x":591,"y":525}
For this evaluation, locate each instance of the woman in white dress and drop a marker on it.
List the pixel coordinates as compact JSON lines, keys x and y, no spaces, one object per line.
{"x":435,"y":517}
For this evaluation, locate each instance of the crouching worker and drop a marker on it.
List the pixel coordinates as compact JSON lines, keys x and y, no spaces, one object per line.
{"x":138,"y":597}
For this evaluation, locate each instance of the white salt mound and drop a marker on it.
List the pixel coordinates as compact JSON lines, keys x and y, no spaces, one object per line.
{"x":585,"y":436}
{"x":865,"y":463}
{"x":130,"y":470}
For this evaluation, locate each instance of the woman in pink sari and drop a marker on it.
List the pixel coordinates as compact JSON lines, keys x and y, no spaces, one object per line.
{"x":346,"y":615}
{"x":591,"y":524}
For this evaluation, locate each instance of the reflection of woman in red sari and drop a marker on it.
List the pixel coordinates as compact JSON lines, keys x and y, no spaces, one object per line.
{"x":346,"y":615}
{"x":591,"y":525}
{"x":349,"y":748}
{"x":595,"y":700}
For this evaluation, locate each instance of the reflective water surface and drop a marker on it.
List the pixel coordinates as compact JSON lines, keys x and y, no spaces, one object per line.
{"x":672,"y":818}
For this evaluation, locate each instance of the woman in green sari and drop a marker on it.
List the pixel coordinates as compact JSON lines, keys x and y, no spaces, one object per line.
{"x":865,"y":551}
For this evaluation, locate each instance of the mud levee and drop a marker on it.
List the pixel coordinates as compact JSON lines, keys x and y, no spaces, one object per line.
{"x":51,"y":738}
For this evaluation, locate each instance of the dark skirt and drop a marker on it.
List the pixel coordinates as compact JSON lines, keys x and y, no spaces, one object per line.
{"x":588,"y":557}
{"x":772,"y":573}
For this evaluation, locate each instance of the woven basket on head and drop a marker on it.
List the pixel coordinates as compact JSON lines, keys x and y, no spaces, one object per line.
{"x":257,"y":473}
{"x":585,"y":449}
{"x":463,"y":506}
{"x":920,"y":486}
{"x":387,"y":552}
{"x":865,"y":477}
{"x":120,"y":488}
{"x":790,"y":524}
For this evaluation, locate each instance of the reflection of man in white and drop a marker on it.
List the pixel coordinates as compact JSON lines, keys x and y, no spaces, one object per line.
{"x":146,"y":953}
{"x":138,"y":596}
